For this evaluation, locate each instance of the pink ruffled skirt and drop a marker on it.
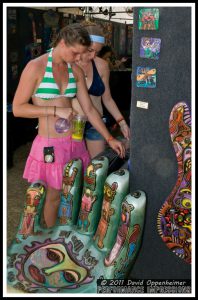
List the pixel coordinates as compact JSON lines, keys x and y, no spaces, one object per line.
{"x":65,"y":149}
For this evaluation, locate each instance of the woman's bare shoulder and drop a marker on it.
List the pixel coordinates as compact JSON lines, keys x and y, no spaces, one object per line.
{"x":101,"y":65}
{"x":100,"y":61}
{"x":37,"y":64}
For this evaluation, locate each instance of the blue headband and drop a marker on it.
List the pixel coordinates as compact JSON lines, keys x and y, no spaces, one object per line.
{"x":97,"y":38}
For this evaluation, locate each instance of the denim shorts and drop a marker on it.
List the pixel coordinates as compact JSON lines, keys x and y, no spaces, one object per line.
{"x":91,"y":133}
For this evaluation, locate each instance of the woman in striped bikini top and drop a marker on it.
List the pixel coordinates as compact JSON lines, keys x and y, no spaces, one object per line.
{"x":48,"y":88}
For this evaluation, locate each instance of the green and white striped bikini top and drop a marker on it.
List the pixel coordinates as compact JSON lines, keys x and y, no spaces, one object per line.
{"x":48,"y":88}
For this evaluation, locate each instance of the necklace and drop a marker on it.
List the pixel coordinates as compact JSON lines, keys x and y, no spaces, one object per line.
{"x":85,"y":76}
{"x":83,"y":69}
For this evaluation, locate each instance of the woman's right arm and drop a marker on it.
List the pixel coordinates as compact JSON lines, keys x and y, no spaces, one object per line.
{"x":27,"y":83}
{"x":26,"y":87}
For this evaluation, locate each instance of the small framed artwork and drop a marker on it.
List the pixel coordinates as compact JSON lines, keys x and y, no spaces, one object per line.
{"x":148,"y":19}
{"x":146,"y":77}
{"x":150,"y":47}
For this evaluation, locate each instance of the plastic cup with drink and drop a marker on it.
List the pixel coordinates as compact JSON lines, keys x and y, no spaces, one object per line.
{"x":77,"y":124}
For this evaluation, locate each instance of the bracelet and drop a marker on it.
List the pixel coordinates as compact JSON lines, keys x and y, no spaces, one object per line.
{"x":119,"y":120}
{"x":54,"y":111}
{"x":110,"y":139}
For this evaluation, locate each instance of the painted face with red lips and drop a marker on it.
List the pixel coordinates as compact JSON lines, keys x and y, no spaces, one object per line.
{"x":51,"y":266}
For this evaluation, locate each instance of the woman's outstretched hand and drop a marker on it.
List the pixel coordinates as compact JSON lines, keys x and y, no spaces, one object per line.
{"x":118,"y":147}
{"x":125,"y":130}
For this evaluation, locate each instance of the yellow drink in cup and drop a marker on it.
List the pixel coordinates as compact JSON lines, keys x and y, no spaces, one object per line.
{"x":78,"y":126}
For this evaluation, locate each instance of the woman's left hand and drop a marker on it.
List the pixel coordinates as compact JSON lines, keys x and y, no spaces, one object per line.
{"x":118,"y":147}
{"x":125,"y":129}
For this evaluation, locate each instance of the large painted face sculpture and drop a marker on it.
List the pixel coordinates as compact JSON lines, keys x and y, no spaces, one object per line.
{"x":50,"y":265}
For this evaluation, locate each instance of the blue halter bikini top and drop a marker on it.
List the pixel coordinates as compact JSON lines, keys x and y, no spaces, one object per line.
{"x":97,"y":87}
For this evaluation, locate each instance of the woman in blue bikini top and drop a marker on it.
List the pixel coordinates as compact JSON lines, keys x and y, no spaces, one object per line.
{"x":96,"y":72}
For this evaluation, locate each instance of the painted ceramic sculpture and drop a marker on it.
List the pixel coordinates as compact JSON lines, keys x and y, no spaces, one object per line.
{"x":174,"y":219}
{"x":93,"y":192}
{"x":31,"y":216}
{"x":71,"y":193}
{"x":116,"y":187}
{"x":70,"y":258}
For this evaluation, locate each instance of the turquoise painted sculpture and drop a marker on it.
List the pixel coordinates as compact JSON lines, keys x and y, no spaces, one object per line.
{"x":71,"y":193}
{"x":69,"y":258}
{"x":94,"y":180}
{"x":116,"y":187}
{"x":31,"y":216}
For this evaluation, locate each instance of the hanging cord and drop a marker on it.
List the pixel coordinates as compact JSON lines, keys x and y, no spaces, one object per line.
{"x":46,"y":110}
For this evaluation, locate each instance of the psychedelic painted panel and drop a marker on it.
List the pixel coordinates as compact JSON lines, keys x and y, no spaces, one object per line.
{"x":148,"y":19}
{"x":150,"y":48}
{"x":174,"y":218}
{"x":146,"y":77}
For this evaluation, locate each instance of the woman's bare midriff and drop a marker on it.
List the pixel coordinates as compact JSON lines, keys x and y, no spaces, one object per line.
{"x":46,"y":125}
{"x":96,"y":102}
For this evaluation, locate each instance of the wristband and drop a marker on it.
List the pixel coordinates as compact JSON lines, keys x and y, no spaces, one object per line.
{"x":110,"y":139}
{"x":54,"y":111}
{"x":119,"y":120}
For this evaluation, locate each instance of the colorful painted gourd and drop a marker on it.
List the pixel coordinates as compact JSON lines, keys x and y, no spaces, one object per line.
{"x":69,"y":259}
{"x":174,"y":218}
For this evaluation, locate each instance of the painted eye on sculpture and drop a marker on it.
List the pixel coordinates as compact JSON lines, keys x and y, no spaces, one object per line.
{"x":188,"y":219}
{"x":28,"y":200}
{"x":55,"y":255}
{"x":71,"y":276}
{"x":28,"y":197}
{"x":36,"y":200}
{"x":136,"y":194}
{"x":124,"y":209}
{"x":186,"y":203}
{"x":187,"y":140}
{"x":109,"y":193}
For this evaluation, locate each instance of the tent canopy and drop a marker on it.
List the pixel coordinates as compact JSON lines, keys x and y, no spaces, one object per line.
{"x":119,"y":14}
